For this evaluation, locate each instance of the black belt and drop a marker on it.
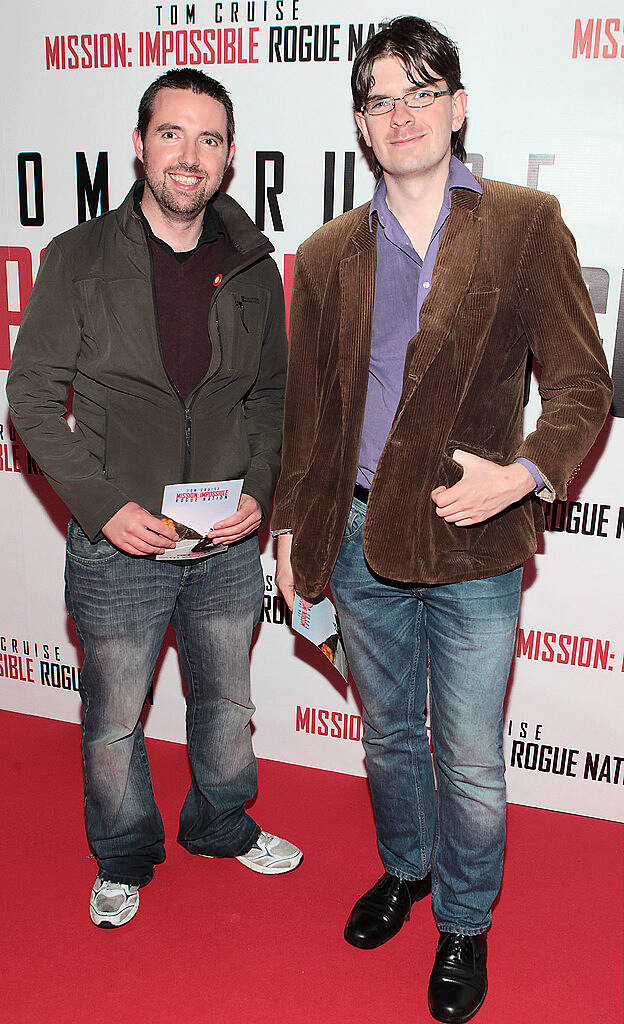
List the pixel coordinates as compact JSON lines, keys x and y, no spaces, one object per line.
{"x":361,"y":493}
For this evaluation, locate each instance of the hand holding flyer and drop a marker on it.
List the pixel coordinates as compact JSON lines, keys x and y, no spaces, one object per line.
{"x":193,"y":509}
{"x":319,"y":624}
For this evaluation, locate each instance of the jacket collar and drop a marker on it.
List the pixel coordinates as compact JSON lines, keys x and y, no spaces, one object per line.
{"x":364,"y":231}
{"x":245,"y":236}
{"x":458,"y":177}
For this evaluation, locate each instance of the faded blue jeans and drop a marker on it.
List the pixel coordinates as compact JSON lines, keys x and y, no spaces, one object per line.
{"x":468,"y":631}
{"x":122,"y":606}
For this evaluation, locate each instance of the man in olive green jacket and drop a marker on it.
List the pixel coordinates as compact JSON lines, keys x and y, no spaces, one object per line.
{"x":166,"y":317}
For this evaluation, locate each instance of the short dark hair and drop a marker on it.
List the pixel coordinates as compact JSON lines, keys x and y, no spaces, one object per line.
{"x":185,"y":78}
{"x":420,"y":47}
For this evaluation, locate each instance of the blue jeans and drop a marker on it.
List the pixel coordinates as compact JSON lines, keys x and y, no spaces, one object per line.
{"x":122,"y":606}
{"x":467,"y":630}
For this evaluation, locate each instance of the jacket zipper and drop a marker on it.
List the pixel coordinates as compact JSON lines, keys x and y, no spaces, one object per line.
{"x":187,"y":443}
{"x":187,"y":427}
{"x":240,"y":305}
{"x":188,"y":421}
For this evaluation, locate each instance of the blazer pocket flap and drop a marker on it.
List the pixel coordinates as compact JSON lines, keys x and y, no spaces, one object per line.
{"x":477,"y":309}
{"x":465,"y":341}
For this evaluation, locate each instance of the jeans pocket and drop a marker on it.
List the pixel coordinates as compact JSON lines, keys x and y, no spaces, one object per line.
{"x":355,"y":522}
{"x":81,"y":549}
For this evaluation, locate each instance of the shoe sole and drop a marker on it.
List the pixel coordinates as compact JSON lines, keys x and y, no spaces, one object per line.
{"x":446,"y":1019}
{"x":261,"y":870}
{"x":364,"y":944}
{"x":258,"y":867}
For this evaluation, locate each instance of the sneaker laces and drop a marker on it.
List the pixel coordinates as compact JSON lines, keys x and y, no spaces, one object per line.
{"x":107,"y":887}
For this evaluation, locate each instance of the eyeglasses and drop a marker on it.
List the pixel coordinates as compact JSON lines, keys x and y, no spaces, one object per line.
{"x":416,"y":98}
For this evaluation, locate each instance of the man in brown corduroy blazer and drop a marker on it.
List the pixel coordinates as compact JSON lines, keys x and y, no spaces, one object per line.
{"x":407,"y":483}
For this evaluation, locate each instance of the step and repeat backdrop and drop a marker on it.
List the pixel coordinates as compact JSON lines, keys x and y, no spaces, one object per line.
{"x":546,"y":110}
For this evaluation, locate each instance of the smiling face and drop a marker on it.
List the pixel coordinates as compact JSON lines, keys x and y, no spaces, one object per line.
{"x":184,"y":153}
{"x":408,"y":141}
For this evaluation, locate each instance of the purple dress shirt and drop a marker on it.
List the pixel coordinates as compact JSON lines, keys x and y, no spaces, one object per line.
{"x":402,"y":283}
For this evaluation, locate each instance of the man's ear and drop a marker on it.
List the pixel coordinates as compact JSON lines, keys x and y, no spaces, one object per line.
{"x":459,"y":100}
{"x":360,"y":121}
{"x":138,"y":144}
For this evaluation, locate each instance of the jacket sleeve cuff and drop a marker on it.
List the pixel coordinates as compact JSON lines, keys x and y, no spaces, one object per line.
{"x":543,"y":488}
{"x":534,"y":471}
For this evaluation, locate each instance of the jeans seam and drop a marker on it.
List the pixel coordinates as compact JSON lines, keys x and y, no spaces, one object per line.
{"x":192,"y":686}
{"x":143,"y":754}
{"x":411,"y":716}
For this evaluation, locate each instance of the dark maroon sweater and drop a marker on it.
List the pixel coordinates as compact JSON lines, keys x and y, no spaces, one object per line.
{"x":184,"y":283}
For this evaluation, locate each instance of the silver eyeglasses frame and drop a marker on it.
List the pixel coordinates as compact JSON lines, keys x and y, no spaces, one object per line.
{"x":391,"y":101}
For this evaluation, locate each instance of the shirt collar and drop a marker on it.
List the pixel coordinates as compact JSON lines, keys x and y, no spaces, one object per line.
{"x":458,"y":177}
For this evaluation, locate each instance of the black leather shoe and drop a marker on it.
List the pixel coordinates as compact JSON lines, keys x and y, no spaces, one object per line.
{"x":458,"y":982}
{"x":381,"y":912}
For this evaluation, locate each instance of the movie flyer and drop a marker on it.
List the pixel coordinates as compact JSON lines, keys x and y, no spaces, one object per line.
{"x":192,"y":510}
{"x":319,"y":624}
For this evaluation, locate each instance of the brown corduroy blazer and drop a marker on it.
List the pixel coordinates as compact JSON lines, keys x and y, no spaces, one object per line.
{"x":506,"y":280}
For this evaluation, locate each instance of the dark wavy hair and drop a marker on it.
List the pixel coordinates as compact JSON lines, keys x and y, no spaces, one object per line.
{"x":185,"y":78}
{"x":422,"y":49}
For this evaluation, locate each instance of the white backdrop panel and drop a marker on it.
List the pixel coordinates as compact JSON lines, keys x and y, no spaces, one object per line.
{"x":545,"y":109}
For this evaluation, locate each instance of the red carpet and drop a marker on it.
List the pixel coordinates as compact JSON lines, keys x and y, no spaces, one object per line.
{"x":216,"y":943}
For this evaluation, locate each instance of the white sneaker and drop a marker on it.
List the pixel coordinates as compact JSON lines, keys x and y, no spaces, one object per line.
{"x":113,"y":903}
{"x":271,"y":855}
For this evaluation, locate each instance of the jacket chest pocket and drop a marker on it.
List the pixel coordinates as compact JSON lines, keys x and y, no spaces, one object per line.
{"x":118,"y":317}
{"x":472,"y":325}
{"x":248,"y":307}
{"x":242,"y":317}
{"x":464,"y":351}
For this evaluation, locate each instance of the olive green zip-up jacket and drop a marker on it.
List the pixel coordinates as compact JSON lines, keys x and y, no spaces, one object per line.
{"x":91,"y":324}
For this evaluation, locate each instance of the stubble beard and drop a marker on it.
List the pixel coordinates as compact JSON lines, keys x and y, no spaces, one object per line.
{"x":185,"y":208}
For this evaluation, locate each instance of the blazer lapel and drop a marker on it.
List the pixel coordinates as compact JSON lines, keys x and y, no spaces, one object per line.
{"x":357,"y":296}
{"x":457,"y":259}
